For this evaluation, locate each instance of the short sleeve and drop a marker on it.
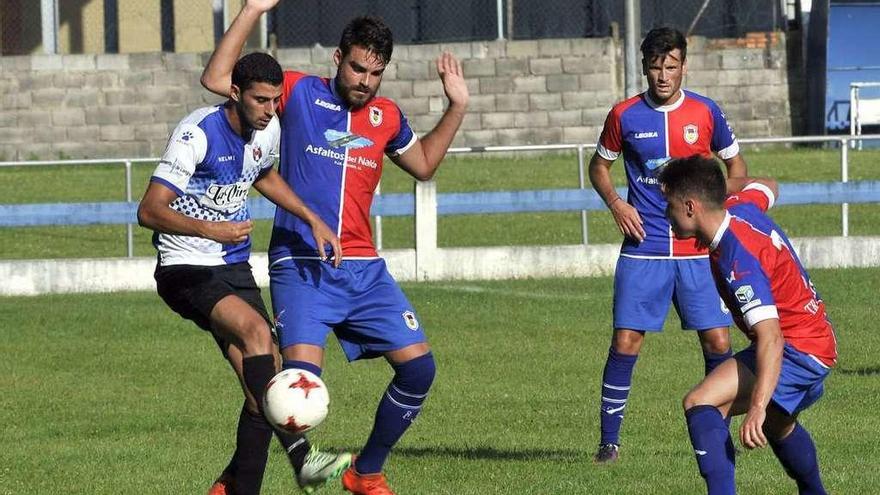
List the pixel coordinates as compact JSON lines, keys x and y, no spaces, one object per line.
{"x":756,"y":194}
{"x":724,"y":141}
{"x":186,"y":149}
{"x":404,"y":139}
{"x":610,"y":140}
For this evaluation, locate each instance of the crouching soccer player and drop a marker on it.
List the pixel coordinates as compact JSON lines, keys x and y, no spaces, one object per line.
{"x":773,"y":301}
{"x":196,"y":204}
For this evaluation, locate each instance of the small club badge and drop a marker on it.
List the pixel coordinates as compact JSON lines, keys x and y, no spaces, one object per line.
{"x":411,"y":322}
{"x":691,"y":133}
{"x":375,"y":116}
{"x":258,"y":153}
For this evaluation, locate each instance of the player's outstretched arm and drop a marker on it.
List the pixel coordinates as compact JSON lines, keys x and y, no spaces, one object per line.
{"x":768,"y":364}
{"x":275,"y":189}
{"x":627,"y":218}
{"x":423,"y":158}
{"x":154,"y":213}
{"x":217,"y":76}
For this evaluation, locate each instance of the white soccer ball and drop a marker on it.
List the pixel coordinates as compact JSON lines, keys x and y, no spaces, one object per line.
{"x":296,"y":401}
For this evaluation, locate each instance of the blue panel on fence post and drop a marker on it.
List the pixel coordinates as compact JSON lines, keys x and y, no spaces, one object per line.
{"x":22,"y":215}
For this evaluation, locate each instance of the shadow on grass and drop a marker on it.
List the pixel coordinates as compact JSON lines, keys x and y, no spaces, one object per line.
{"x":863,"y":371}
{"x":490,"y":453}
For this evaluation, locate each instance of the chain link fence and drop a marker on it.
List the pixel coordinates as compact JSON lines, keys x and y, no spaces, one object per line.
{"x":109,"y":26}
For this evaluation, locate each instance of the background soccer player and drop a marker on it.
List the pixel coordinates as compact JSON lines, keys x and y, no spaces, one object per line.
{"x":335,"y":133}
{"x":774,"y":302}
{"x":655,"y":267}
{"x":196,"y":203}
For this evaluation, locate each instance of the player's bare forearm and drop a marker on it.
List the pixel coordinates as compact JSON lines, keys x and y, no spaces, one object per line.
{"x":155,"y":214}
{"x":217,"y":76}
{"x":436,"y":143}
{"x":275,"y":189}
{"x":600,"y":177}
{"x":737,"y":184}
{"x":736,"y":166}
{"x":768,"y":361}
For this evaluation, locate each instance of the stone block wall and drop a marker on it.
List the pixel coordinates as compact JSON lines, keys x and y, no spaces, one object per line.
{"x":523,"y":92}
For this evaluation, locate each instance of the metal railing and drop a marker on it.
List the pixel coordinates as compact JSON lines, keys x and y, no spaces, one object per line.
{"x":843,"y":141}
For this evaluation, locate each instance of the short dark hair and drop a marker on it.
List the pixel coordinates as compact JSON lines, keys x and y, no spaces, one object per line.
{"x":660,"y":41}
{"x":256,"y":67}
{"x":696,"y":175}
{"x":369,"y":32}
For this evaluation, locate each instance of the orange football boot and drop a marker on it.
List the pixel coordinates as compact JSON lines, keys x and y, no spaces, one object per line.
{"x":365,"y":484}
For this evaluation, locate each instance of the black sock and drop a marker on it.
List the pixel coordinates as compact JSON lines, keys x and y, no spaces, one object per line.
{"x":258,"y":371}
{"x":296,"y":445}
{"x":251,"y":453}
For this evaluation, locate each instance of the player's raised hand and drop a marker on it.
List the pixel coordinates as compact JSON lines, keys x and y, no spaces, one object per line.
{"x":751,"y":433}
{"x":324,"y":236}
{"x":452,"y":77}
{"x":229,"y":232}
{"x":262,"y":5}
{"x":628,"y":220}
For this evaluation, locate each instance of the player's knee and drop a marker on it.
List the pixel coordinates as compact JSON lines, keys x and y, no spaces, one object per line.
{"x":416,"y":375}
{"x":717,"y":342}
{"x":256,"y":337}
{"x":691,"y":399}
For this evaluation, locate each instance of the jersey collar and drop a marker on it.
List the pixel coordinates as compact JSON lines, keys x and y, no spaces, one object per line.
{"x":725,"y":224}
{"x":664,"y":108}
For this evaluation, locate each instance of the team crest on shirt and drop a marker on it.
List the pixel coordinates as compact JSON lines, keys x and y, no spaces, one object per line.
{"x":375,"y":116}
{"x":410,"y":319}
{"x":258,"y":153}
{"x":691,"y":133}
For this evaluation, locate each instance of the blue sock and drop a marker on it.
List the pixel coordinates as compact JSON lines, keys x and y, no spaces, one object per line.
{"x":797,"y":453}
{"x":616,"y":382}
{"x":711,"y":360}
{"x":397,"y":410}
{"x":302,"y":365}
{"x":713,"y":448}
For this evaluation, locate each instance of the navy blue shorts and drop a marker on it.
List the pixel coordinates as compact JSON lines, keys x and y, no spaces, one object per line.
{"x":801,"y":380}
{"x":644,"y":288}
{"x":359,"y":301}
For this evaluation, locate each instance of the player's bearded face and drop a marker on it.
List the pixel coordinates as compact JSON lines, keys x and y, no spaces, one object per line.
{"x":665,"y":74}
{"x":257,"y":105}
{"x":358,"y":75}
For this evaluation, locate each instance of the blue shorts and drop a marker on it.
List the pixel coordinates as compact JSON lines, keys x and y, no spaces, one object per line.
{"x":359,"y":301}
{"x":801,"y":380}
{"x":643,"y":289}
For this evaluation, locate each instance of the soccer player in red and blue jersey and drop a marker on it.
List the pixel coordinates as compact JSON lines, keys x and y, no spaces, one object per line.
{"x":656,"y":267}
{"x":335,"y":133}
{"x":773,"y":301}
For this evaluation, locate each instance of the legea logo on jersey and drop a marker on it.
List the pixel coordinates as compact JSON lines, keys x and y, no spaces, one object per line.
{"x":225,"y":197}
{"x":646,"y":135}
{"x":328,"y":105}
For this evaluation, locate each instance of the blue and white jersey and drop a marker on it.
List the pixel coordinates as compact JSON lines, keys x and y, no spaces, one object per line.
{"x":211,"y":168}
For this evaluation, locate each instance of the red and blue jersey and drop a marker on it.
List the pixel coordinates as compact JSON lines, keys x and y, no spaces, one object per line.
{"x":331,"y":156}
{"x":759,"y":277}
{"x":649,"y":135}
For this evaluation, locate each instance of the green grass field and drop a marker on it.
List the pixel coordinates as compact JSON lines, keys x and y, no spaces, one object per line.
{"x":109,"y":394}
{"x":459,"y":173}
